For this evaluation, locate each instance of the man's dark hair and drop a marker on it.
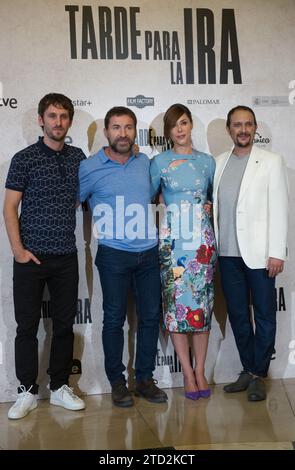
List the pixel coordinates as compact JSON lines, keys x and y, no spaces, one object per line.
{"x":119,"y":111}
{"x":239,"y":108}
{"x":58,"y":100}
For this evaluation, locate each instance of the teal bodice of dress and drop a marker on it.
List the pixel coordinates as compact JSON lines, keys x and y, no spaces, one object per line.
{"x":190,"y":181}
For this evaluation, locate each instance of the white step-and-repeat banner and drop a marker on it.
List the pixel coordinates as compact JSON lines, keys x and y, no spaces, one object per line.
{"x":210,"y":55}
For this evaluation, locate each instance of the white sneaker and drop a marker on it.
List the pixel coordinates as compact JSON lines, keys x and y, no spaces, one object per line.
{"x":25,"y":403}
{"x":66,"y":398}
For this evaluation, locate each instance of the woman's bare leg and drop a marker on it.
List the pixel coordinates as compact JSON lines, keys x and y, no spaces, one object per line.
{"x":200,"y":345}
{"x":181,"y":346}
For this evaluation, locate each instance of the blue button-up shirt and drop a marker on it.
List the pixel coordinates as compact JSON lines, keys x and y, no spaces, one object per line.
{"x":119,"y":197}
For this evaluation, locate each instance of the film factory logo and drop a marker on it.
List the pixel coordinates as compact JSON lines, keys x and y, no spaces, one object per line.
{"x":140,"y":101}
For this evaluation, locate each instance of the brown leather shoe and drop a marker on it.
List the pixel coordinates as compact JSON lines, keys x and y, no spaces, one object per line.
{"x":148,"y":390}
{"x":121,"y":395}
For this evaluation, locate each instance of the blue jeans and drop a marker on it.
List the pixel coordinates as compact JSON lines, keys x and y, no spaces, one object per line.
{"x":118,"y":270}
{"x":240,"y":284}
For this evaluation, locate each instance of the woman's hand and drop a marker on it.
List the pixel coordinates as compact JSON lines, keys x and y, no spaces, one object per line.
{"x":208,"y":208}
{"x":161,"y":199}
{"x":135,"y":149}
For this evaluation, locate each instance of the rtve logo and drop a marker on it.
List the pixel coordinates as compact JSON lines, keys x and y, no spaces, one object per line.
{"x":7,"y":102}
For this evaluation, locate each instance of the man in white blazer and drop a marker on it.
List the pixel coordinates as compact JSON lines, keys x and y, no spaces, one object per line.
{"x":250,"y":220}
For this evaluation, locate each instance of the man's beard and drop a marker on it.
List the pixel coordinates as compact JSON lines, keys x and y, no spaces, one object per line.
{"x":57,"y":138}
{"x":115,"y":146}
{"x":241,"y":144}
{"x":244,"y":144}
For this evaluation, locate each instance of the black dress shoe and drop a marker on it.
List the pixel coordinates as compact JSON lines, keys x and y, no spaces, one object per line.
{"x":239,"y":385}
{"x":256,"y":390}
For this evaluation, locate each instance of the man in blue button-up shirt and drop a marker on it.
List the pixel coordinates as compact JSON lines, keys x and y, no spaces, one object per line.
{"x":117,"y":184}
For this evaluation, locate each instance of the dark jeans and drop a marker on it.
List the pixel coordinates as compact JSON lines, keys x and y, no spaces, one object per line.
{"x":239,"y":284}
{"x":117,"y":270}
{"x":29,"y":279}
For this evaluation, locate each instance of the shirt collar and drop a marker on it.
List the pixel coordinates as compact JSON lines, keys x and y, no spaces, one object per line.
{"x":49,"y":151}
{"x":105,"y":158}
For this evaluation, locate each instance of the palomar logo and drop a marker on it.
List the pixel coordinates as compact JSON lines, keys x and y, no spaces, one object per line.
{"x":203,"y":101}
{"x":140,"y":101}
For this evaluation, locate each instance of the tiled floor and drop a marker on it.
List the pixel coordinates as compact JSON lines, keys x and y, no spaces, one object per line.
{"x":221,"y":422}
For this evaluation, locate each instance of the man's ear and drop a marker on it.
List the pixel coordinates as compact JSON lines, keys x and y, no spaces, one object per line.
{"x":105,"y":133}
{"x":40,"y":121}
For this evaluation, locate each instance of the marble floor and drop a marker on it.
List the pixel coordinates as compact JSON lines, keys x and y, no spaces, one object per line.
{"x":221,"y":422}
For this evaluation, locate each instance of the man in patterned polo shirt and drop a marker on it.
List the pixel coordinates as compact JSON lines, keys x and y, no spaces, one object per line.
{"x":43,"y":178}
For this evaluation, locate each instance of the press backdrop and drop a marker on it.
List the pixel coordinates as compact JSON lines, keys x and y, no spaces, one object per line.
{"x":209,"y":55}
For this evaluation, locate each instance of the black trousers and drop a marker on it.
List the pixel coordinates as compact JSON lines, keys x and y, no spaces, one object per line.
{"x":61,"y":275}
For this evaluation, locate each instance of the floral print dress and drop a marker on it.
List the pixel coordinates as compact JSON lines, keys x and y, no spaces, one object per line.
{"x":187,"y":247}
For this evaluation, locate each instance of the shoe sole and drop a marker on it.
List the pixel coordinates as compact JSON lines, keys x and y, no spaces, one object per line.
{"x":192,"y":395}
{"x":56,"y":403}
{"x":33,"y":407}
{"x":151,"y":400}
{"x":252,"y":398}
{"x":126,"y":404}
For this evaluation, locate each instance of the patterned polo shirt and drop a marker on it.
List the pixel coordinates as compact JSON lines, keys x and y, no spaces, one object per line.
{"x":49,"y":182}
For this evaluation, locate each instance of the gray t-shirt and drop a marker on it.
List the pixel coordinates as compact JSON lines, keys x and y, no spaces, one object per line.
{"x":228,"y":194}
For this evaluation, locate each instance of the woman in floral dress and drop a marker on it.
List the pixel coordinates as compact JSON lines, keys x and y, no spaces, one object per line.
{"x":187,"y":246}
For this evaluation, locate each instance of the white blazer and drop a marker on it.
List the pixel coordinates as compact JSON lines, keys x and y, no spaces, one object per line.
{"x":262,"y":207}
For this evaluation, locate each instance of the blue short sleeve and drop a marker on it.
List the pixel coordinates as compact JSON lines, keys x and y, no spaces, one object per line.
{"x":18,"y":175}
